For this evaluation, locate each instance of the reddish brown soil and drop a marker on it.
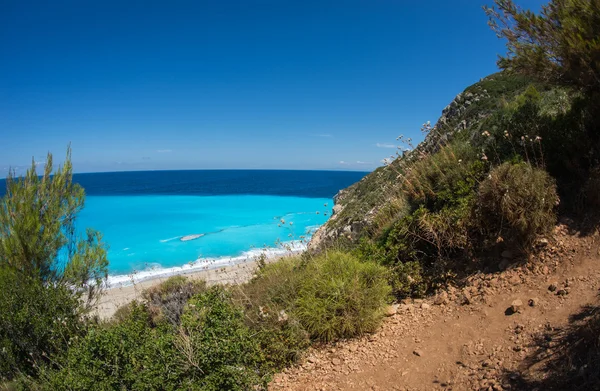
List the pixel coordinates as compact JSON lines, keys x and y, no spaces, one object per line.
{"x":465,"y":338}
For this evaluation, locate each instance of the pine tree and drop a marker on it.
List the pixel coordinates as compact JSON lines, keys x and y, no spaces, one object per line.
{"x":561,"y":44}
{"x":38,"y":235}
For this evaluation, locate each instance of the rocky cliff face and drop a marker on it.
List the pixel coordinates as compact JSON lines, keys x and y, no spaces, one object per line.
{"x":357,"y":206}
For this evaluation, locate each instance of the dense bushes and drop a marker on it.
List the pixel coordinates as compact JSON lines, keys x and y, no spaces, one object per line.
{"x":268,"y":301}
{"x":37,"y":321}
{"x":462,"y":204}
{"x":516,"y":203}
{"x":128,"y":355}
{"x":218,"y":348}
{"x":212,"y":349}
{"x":184,"y":335}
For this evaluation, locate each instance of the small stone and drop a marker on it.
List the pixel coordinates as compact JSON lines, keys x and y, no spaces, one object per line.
{"x":391,"y":310}
{"x":543,"y":242}
{"x":425,"y":306}
{"x":562,"y":292}
{"x":533,"y":302}
{"x":515,"y":280}
{"x":553,"y":287}
{"x":545,"y":270}
{"x":465,"y":299}
{"x":418,"y":353}
{"x":441,"y":299}
{"x":336,"y":361}
{"x":516,"y":306}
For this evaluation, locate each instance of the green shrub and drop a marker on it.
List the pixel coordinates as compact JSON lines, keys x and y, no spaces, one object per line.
{"x":407,"y":279}
{"x":129,"y":355}
{"x":268,"y":301}
{"x":516,"y":203}
{"x":281,"y":338}
{"x":212,"y":349}
{"x":50,"y":276}
{"x":276,"y":284}
{"x":443,"y":179}
{"x":167,"y":300}
{"x":37,"y":321}
{"x":219,"y":349}
{"x":393,"y":210}
{"x":341,"y":297}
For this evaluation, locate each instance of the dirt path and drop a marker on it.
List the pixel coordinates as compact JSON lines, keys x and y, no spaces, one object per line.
{"x":462,"y":339}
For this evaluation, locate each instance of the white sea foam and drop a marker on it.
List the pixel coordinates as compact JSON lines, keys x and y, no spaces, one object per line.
{"x":155,"y":270}
{"x":168,"y":240}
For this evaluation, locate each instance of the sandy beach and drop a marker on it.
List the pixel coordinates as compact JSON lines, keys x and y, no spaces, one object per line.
{"x":113,"y":298}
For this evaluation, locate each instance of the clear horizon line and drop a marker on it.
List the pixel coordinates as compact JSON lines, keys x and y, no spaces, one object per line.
{"x":222,"y":169}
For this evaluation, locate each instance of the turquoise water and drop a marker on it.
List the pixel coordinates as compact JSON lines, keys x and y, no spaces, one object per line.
{"x":144,"y":232}
{"x":143,"y":216}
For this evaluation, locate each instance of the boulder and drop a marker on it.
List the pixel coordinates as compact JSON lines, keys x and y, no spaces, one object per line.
{"x":516,"y":306}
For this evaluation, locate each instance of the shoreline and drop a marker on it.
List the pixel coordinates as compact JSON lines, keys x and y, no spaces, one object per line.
{"x":237,"y":270}
{"x":205,"y":264}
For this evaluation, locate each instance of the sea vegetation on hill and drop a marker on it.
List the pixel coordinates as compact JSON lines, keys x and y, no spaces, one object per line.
{"x":508,"y":156}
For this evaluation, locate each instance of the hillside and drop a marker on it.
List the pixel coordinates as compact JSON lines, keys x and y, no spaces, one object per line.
{"x":357,"y":207}
{"x":469,"y":338}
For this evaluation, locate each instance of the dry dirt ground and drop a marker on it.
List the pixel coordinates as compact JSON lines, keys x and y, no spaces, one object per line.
{"x":475,"y":337}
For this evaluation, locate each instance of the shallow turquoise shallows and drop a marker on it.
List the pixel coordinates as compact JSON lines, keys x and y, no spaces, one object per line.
{"x":145,"y":232}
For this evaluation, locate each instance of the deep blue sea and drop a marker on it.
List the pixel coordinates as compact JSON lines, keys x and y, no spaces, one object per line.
{"x":233,"y":215}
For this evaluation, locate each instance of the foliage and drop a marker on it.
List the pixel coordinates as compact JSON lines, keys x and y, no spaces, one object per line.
{"x":38,"y":235}
{"x":341,"y":297}
{"x":394,"y":209}
{"x":37,"y":322}
{"x":212,"y":349}
{"x":276,"y":285}
{"x":268,"y":302}
{"x":546,"y":129}
{"x":560,"y":44}
{"x":219,"y":349}
{"x":591,"y":192}
{"x":516,"y":203}
{"x":49,"y":275}
{"x":129,"y":355}
{"x":443,"y":179}
{"x":407,"y":279}
{"x":167,"y":300}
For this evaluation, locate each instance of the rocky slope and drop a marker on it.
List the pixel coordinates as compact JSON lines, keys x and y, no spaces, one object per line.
{"x":500,"y":331}
{"x":356,"y":208}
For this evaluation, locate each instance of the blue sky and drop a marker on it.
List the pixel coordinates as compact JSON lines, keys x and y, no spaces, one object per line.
{"x":136,"y":85}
